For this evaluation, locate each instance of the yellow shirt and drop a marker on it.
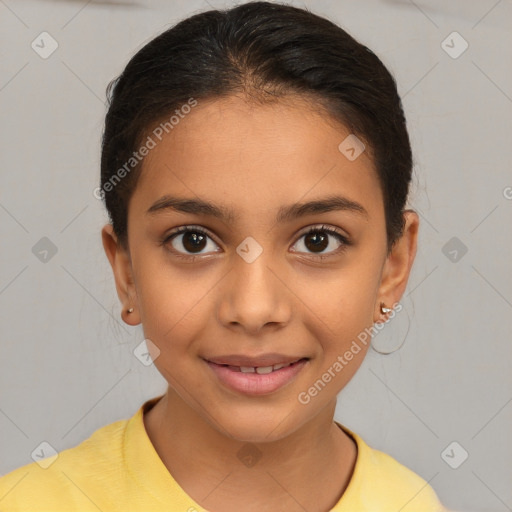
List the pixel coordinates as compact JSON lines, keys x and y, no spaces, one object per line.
{"x":118,"y":469}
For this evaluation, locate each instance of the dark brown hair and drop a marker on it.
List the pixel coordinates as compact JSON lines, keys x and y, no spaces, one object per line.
{"x":266,"y":51}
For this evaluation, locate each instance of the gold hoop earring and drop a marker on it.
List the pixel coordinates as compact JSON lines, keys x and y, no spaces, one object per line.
{"x":394,"y":331}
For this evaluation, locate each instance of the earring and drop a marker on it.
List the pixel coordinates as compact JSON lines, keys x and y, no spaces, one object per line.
{"x":396,"y":331}
{"x":383,"y":309}
{"x":130,"y":310}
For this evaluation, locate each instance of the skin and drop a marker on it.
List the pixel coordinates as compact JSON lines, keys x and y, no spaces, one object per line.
{"x":256,"y":159}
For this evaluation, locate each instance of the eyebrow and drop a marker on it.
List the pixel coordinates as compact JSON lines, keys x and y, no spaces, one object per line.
{"x":284,"y":214}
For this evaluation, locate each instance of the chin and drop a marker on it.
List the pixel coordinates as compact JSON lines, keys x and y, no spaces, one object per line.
{"x":257,"y":424}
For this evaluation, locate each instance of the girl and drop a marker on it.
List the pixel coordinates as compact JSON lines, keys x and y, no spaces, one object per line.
{"x":255,"y":167}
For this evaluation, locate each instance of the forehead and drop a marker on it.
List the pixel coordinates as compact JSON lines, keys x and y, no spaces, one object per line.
{"x":254,"y":157}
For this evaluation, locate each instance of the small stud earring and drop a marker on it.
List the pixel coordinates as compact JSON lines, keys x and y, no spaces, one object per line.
{"x":130,"y":310}
{"x":383,"y":309}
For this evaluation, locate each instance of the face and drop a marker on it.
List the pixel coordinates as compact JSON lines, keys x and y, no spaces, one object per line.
{"x":259,"y":280}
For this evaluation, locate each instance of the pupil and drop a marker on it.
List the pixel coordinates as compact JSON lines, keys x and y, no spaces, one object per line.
{"x":319,"y":241}
{"x":193,"y":241}
{"x":196,"y":241}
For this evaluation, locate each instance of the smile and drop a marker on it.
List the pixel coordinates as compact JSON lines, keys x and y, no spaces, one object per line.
{"x":256,"y":379}
{"x":262,"y":370}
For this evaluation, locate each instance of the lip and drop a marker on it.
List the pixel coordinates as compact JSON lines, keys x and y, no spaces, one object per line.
{"x":255,"y":383}
{"x":262,"y":360}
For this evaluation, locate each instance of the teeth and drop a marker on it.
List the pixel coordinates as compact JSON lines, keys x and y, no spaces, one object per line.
{"x":264,"y":369}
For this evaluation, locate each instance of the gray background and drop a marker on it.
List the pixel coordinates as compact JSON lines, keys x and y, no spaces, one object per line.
{"x":67,"y":366}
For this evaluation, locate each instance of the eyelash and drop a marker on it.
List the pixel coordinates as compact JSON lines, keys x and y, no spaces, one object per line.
{"x":345,"y":242}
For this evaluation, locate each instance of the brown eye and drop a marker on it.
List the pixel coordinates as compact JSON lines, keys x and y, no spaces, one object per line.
{"x":190,"y":241}
{"x":319,"y":238}
{"x":193,"y":241}
{"x":316,"y":242}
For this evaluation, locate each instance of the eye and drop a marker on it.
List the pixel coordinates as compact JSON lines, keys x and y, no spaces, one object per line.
{"x":319,"y":238}
{"x":189,"y":241}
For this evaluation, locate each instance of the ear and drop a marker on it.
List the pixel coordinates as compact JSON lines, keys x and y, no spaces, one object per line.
{"x":397,"y":267}
{"x":120,"y":262}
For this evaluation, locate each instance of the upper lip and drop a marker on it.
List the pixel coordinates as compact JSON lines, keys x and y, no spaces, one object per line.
{"x":256,"y":361}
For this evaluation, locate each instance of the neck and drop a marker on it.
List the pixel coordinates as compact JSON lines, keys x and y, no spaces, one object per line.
{"x":220,"y":472}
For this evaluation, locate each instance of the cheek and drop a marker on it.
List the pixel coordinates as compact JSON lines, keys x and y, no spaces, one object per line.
{"x":341,"y":302}
{"x":340,"y":313}
{"x":172,"y":305}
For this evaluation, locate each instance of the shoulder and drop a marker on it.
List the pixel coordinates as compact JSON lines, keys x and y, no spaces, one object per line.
{"x":381,"y":483}
{"x":58,"y":481}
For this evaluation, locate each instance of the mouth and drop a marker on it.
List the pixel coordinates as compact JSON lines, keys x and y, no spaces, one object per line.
{"x":256,"y":376}
{"x":261,"y":370}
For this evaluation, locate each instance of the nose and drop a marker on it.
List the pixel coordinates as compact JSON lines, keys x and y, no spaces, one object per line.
{"x":254,"y":295}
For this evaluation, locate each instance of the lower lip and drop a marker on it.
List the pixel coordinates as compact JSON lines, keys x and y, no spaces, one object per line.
{"x":254,"y":383}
